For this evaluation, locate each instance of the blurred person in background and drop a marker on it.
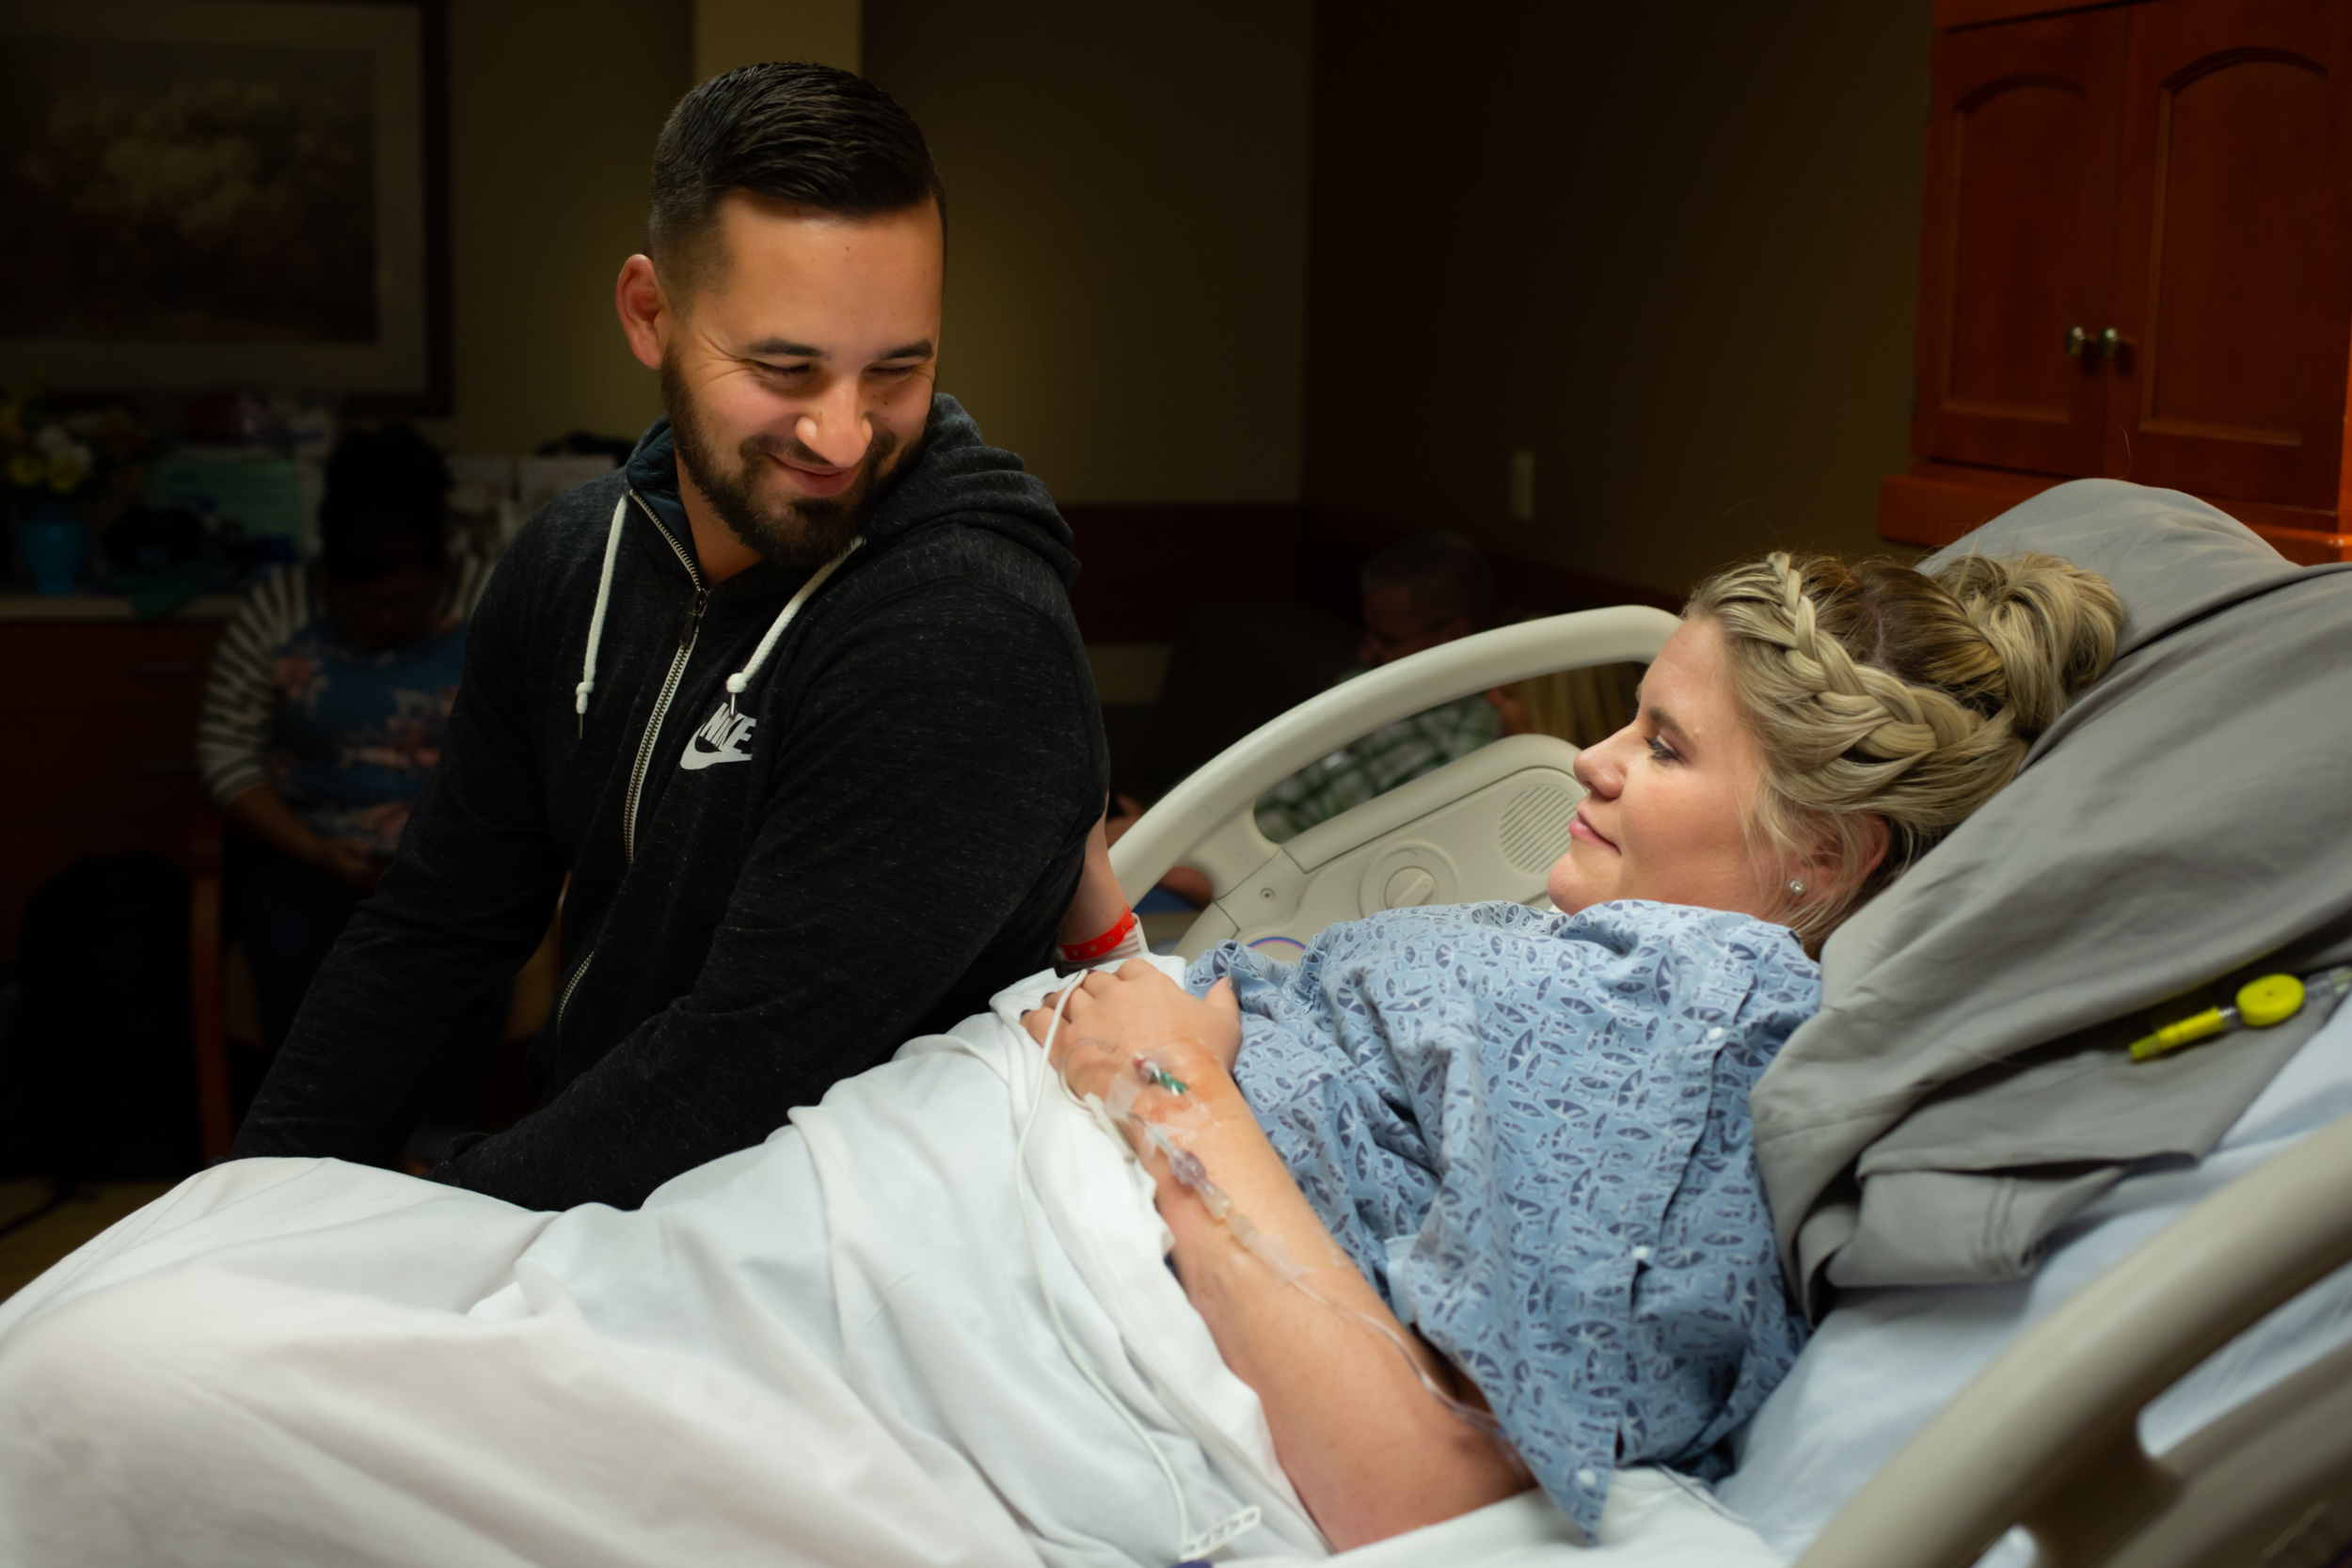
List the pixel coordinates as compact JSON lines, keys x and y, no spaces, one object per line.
{"x":1424,"y":590}
{"x":326,"y":705}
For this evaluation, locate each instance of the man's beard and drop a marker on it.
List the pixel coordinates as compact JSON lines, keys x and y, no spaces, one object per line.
{"x":799,"y":535}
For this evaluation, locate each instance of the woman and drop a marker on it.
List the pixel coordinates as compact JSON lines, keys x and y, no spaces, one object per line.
{"x":1528,"y":1130}
{"x":324,"y":711}
{"x":1808,"y":733}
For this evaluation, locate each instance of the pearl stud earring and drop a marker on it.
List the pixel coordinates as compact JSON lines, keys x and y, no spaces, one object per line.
{"x":1796,"y":887}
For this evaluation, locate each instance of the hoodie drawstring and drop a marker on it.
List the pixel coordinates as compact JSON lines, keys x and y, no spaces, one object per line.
{"x":736,"y":681}
{"x":595,"y":621}
{"x":742,"y":678}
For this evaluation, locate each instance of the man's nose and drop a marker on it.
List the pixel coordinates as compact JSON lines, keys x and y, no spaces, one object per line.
{"x":835,"y":427}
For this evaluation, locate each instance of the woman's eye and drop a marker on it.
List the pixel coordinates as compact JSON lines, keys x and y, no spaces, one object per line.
{"x":1661,"y":751}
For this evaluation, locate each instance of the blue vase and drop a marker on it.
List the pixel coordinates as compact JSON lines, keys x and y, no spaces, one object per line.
{"x":55,"y":546}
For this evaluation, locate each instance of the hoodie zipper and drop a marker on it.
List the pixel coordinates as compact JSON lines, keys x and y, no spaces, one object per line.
{"x":652,"y":732}
{"x":572,"y":984}
{"x":669,"y":686}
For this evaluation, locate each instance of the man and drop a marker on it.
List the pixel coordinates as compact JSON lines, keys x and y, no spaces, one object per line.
{"x":1421,"y":591}
{"x":794,"y":698}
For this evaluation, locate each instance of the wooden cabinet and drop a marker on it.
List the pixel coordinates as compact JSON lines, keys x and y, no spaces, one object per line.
{"x":2136,"y":262}
{"x":97,"y":738}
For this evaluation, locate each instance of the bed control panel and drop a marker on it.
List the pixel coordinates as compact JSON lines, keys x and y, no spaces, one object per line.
{"x":1486,"y":827}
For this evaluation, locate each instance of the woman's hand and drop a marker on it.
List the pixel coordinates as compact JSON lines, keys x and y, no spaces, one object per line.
{"x":1111,"y":1019}
{"x":262,"y":812}
{"x":350,"y":862}
{"x":1372,"y":1454}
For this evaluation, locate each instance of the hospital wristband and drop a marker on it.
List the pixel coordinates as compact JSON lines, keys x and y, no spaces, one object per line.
{"x":1094,"y":948}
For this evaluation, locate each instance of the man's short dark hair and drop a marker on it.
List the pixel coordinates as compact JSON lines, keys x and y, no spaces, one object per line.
{"x":1445,"y":574}
{"x":808,"y":133}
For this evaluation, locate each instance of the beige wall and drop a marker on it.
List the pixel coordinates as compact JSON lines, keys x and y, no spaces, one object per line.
{"x":1126,"y":252}
{"x":1669,"y":250}
{"x":553,"y":109}
{"x":731,"y":33}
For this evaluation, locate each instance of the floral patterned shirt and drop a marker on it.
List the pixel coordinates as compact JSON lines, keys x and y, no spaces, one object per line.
{"x":1531,"y":1132}
{"x":346,"y":734}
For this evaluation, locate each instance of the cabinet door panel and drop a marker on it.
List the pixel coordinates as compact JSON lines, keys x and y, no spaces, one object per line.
{"x":2022,"y":148}
{"x":95,"y":781}
{"x":2233,"y":275}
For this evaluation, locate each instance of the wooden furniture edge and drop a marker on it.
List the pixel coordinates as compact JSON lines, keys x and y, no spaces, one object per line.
{"x":1936,"y":503}
{"x":1945,"y":15}
{"x":38,"y":608}
{"x":215,"y":1131}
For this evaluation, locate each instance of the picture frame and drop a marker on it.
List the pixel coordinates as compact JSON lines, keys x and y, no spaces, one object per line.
{"x":228,"y":195}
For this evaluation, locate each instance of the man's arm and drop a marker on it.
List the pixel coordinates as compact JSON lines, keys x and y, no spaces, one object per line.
{"x":466,"y":900}
{"x":941,"y":784}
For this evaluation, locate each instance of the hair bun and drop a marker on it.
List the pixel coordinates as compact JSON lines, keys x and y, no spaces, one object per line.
{"x":2052,"y":624}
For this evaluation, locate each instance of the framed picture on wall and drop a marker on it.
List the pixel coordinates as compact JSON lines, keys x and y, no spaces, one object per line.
{"x":211,"y":195}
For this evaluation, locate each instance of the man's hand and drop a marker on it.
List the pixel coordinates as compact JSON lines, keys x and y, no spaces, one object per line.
{"x":1138,"y":1011}
{"x":1186,"y":883}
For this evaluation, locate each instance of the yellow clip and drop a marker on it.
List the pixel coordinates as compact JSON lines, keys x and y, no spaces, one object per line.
{"x":2272,"y":999}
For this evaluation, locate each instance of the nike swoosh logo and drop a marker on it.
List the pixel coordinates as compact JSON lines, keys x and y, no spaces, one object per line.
{"x":693,"y":759}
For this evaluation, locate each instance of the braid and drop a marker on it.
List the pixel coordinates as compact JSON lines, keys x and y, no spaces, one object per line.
{"x":1877,"y":691}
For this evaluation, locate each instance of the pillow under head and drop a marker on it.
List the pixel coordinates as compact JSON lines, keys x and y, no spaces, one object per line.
{"x":1963,"y":1088}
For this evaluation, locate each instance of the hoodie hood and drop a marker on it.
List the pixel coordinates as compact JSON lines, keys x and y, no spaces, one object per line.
{"x":954,"y":477}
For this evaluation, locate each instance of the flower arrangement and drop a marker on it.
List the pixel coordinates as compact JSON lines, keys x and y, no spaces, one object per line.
{"x":92,"y":461}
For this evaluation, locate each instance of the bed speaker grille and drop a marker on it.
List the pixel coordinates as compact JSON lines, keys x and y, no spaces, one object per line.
{"x":1535,"y":828}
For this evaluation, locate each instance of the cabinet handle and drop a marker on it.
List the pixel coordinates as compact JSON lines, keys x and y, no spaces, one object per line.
{"x":2079,"y":343}
{"x":163,"y":668}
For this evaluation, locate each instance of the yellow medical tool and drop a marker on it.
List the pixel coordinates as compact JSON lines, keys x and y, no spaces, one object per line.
{"x":2260,"y":1003}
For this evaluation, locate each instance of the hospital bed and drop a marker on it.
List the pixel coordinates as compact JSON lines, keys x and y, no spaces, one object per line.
{"x":2047,"y":1438}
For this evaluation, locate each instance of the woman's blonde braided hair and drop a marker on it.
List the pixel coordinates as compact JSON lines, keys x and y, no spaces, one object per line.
{"x":1877,"y":690}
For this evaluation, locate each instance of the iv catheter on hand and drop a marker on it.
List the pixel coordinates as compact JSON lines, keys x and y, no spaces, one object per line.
{"x":2259,"y":1005}
{"x":1187,"y":1168}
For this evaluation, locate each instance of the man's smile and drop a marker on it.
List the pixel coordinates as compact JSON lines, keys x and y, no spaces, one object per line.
{"x":818,"y":483}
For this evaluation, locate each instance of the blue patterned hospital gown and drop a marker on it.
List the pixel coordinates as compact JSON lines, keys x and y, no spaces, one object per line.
{"x":1531,"y":1132}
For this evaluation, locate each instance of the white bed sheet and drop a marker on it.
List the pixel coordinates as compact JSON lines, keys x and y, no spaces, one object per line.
{"x":1885,"y":1361}
{"x":831,"y":1348}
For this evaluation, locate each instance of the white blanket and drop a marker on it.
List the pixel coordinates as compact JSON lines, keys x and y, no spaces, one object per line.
{"x":833,"y":1348}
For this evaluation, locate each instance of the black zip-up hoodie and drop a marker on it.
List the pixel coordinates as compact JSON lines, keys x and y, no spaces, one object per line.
{"x":885,"y":830}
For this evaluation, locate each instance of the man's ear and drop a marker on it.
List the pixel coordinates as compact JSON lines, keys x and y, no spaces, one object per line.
{"x":643,"y":308}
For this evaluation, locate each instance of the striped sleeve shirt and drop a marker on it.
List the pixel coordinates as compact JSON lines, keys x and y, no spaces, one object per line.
{"x":242,"y":694}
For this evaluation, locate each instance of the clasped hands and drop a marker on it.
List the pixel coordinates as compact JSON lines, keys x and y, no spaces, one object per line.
{"x":1112,"y":1018}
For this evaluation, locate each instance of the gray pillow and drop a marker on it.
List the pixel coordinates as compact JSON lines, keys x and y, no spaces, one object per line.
{"x":1962,"y":1089}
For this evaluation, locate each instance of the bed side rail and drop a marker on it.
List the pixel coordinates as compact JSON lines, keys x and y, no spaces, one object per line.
{"x":1208,"y":818}
{"x":2047,"y":1436}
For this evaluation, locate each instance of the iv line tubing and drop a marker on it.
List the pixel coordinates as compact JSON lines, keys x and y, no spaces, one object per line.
{"x":1061,"y":1331}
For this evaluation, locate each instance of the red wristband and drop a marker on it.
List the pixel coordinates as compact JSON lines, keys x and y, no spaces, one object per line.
{"x":1094,"y":948}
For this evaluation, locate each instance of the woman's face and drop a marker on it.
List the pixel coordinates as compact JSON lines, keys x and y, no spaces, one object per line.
{"x":1669,"y":794}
